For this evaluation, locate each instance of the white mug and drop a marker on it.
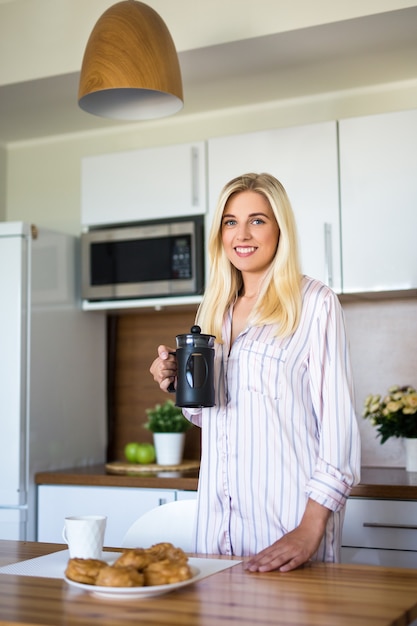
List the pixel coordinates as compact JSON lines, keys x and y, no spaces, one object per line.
{"x":84,"y":535}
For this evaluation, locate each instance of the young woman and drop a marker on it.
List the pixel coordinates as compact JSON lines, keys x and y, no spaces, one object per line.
{"x":280,"y":448}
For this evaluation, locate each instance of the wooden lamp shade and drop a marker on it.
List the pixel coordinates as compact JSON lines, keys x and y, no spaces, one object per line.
{"x":130,"y":69}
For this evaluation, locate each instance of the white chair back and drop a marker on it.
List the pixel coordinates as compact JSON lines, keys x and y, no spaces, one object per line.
{"x":173,"y":522}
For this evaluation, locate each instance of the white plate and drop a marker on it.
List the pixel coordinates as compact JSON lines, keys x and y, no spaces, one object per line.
{"x":125,"y":593}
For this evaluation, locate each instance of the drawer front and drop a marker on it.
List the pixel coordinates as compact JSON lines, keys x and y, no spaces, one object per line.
{"x":386,"y":558}
{"x":386,"y":524}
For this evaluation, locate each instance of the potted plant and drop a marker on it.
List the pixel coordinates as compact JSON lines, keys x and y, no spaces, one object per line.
{"x":168,"y":425}
{"x":395,"y":415}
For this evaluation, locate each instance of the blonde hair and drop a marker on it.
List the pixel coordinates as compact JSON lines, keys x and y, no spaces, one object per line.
{"x":279,"y":300}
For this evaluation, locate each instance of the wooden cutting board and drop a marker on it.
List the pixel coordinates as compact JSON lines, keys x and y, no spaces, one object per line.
{"x":137,"y":468}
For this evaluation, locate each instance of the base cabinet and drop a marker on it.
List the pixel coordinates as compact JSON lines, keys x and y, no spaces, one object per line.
{"x":380,"y":532}
{"x":375,"y":532}
{"x":185,"y":495}
{"x":122,"y":506}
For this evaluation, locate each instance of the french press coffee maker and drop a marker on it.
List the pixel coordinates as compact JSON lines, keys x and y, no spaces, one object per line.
{"x":195,"y":360}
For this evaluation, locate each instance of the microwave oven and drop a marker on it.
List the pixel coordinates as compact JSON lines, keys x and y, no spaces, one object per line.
{"x":144,"y":260}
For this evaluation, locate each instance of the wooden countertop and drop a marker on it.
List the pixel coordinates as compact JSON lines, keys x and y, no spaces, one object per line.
{"x":320,"y":594}
{"x":97,"y":476}
{"x":376,"y":482}
{"x":386,"y":482}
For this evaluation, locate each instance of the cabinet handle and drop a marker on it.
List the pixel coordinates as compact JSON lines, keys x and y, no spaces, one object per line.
{"x":195,"y":187}
{"x":401,"y":526}
{"x":328,"y":255}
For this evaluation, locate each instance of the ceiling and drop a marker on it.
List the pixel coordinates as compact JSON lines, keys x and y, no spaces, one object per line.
{"x":345,"y":54}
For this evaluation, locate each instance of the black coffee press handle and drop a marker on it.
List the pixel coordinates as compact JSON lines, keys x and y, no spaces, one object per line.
{"x":171,"y":386}
{"x":195,"y":330}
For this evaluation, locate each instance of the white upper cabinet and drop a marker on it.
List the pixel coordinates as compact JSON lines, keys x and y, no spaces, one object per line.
{"x":304,"y":159}
{"x":378,"y":169}
{"x":145,"y":184}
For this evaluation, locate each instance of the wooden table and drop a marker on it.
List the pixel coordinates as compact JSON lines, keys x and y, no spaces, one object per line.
{"x":317,"y":595}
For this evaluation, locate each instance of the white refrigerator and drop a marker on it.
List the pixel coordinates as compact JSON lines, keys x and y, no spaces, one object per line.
{"x":52,"y":370}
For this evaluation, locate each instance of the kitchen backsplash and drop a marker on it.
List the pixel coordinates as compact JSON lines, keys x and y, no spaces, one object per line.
{"x":383,"y":342}
{"x":133,"y":341}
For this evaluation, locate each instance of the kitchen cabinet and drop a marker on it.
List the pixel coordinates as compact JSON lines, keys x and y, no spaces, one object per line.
{"x":305,"y":161}
{"x":138,"y":185}
{"x":380,"y":532}
{"x":122,"y":505}
{"x":186,"y":495}
{"x":378,"y":186}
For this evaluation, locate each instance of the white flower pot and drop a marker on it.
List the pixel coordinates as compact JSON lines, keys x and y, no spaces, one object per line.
{"x":411,"y":455}
{"x":169,"y":448}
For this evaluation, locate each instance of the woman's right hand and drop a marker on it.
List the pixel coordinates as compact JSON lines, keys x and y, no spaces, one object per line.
{"x":164,"y":367}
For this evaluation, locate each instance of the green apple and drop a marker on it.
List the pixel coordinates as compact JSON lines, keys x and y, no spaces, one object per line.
{"x":130,"y":451}
{"x":145,"y":453}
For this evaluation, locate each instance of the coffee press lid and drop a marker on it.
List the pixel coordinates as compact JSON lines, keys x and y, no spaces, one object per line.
{"x":196,"y":339}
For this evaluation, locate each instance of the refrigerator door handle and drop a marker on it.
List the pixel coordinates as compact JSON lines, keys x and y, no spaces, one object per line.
{"x":14,"y":507}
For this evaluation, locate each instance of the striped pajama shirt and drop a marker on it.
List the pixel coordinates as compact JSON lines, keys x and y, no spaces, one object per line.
{"x":283,"y":430}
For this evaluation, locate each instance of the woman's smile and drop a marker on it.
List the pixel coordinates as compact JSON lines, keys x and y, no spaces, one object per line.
{"x":244,"y":251}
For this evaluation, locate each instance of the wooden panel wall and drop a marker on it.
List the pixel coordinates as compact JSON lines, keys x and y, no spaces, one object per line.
{"x":133,"y":340}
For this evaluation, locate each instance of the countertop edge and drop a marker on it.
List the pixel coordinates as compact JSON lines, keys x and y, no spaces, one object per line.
{"x":385,"y":492}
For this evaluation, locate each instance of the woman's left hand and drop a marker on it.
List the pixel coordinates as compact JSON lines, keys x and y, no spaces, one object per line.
{"x":296,"y":547}
{"x":289,"y":552}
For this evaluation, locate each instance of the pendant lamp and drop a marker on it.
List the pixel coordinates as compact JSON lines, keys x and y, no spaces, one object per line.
{"x":130,"y":69}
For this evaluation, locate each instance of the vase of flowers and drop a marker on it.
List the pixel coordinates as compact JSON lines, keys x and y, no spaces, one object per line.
{"x":168,"y":425}
{"x":395,"y":415}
